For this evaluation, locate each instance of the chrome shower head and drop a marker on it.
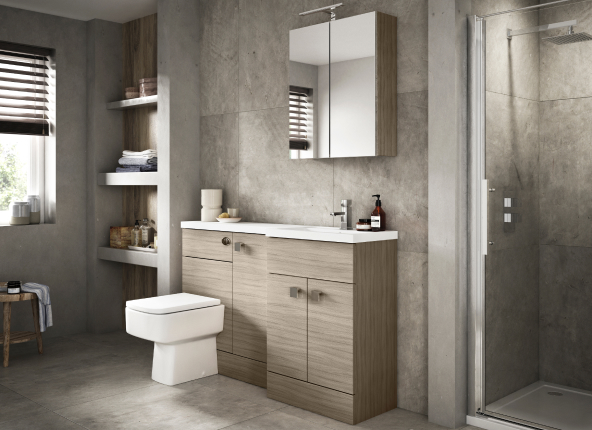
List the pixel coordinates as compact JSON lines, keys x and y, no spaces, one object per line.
{"x":569,"y":38}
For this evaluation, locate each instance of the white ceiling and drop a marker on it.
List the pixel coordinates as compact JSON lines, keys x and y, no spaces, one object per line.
{"x":110,"y":10}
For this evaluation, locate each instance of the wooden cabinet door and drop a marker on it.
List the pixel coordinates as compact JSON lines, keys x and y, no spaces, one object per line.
{"x":249,"y":297}
{"x":212,"y":279}
{"x":286,"y":326}
{"x":331,"y":335}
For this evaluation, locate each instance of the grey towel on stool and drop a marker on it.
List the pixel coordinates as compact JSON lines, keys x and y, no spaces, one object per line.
{"x":135,"y":161}
{"x":42,"y":291}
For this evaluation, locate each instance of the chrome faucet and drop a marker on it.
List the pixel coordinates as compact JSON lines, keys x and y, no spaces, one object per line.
{"x":345,"y":218}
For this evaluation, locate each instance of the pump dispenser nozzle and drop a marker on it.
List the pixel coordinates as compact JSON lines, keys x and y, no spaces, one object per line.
{"x":378,"y":202}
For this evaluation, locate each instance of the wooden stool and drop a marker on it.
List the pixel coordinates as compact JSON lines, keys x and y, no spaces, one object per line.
{"x":19,"y":336}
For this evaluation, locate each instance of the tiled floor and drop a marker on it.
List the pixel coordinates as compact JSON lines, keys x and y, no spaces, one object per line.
{"x":103,"y":382}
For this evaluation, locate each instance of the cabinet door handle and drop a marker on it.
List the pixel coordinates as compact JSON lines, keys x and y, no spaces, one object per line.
{"x":226,"y":241}
{"x":294,"y":292}
{"x":316,"y":295}
{"x":237,"y":246}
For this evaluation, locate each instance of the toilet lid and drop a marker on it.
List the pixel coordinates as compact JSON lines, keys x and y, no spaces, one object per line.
{"x":171,"y":303}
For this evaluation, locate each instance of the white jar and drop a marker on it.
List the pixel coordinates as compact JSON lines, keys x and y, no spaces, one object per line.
{"x":20,"y":213}
{"x":211,"y":201}
{"x":35,"y":203}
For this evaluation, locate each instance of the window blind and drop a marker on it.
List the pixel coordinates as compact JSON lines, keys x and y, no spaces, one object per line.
{"x":300,"y":106}
{"x":24,"y":89}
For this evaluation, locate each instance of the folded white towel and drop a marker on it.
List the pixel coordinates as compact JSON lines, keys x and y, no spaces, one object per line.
{"x":139,"y":156}
{"x":139,"y":153}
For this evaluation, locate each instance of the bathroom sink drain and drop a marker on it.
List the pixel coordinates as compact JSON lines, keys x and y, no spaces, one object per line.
{"x":554,"y":393}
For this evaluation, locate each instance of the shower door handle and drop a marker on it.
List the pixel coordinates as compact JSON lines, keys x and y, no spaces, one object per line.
{"x":484,"y":195}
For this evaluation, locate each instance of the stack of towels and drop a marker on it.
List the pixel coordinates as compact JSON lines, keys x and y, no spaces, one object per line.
{"x":133,"y":161}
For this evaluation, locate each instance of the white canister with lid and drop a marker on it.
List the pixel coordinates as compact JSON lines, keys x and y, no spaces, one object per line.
{"x":211,"y":200}
{"x":20,"y":213}
{"x":35,"y":203}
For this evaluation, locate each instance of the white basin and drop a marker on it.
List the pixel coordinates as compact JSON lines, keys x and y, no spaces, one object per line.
{"x":331,"y":234}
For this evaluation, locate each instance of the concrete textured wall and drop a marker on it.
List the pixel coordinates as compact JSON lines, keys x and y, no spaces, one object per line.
{"x":244,"y":115}
{"x":55,"y":254}
{"x":447,"y":163}
{"x":565,"y":203}
{"x":104,"y":145}
{"x":178,"y":133}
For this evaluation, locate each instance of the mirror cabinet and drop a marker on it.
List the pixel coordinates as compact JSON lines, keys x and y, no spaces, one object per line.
{"x":343,"y":88}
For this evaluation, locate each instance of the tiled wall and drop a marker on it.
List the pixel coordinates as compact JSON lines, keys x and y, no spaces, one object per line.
{"x":244,"y":116}
{"x":566,"y":203}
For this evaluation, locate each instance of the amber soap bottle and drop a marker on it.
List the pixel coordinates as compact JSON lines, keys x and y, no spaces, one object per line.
{"x":378,"y":217}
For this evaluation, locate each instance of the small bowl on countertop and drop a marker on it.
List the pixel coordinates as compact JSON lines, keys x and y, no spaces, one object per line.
{"x":228,"y":219}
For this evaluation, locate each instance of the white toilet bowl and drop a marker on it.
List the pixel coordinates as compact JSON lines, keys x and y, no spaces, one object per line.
{"x":183,"y":328}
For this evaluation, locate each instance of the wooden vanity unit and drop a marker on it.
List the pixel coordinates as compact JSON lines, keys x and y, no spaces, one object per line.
{"x":313,"y":321}
{"x":332,"y":327}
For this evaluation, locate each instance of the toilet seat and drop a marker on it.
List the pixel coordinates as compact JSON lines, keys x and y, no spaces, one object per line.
{"x":172,"y":303}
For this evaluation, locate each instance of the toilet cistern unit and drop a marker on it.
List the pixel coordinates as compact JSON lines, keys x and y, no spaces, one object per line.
{"x":183,"y":328}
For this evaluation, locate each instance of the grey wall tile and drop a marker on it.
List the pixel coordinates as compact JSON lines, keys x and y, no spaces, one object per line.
{"x":412,"y":332}
{"x":219,"y":156}
{"x":556,"y":83}
{"x":218,"y":58}
{"x":401,"y":181}
{"x":512,"y":159}
{"x":512,"y":66}
{"x":511,"y":321}
{"x":565,"y":318}
{"x":273,"y":188}
{"x":263,"y":52}
{"x":565,"y":172}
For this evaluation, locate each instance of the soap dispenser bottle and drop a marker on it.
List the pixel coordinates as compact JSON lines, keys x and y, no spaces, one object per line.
{"x":378,"y":217}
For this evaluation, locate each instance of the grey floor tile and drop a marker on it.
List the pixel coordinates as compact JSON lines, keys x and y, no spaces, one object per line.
{"x":309,"y":416}
{"x":183,"y":406}
{"x":45,"y":421}
{"x":74,"y":381}
{"x":13,"y":405}
{"x":117,"y":343}
{"x":396,"y":419}
{"x":277,"y":420}
{"x":252,"y":392}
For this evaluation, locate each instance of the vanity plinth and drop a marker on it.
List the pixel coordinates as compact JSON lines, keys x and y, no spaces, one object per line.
{"x":311,"y":316}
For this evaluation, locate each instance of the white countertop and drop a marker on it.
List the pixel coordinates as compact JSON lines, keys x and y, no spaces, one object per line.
{"x":323,"y":234}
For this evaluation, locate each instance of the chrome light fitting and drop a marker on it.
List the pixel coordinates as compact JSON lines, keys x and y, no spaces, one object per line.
{"x":327,"y":9}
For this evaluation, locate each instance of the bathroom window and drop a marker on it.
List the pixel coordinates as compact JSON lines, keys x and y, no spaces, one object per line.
{"x":22,"y":171}
{"x":26,"y":110}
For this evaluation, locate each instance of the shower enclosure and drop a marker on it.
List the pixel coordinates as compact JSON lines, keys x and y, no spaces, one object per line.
{"x":530,"y":110}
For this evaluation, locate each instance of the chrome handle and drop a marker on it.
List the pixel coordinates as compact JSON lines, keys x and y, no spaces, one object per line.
{"x":237,"y":246}
{"x":294,"y":292}
{"x":491,"y":243}
{"x":491,"y":190}
{"x":226,"y":241}
{"x":316,"y":295}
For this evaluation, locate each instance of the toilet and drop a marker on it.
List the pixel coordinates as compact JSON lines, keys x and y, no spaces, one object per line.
{"x":183,"y":328}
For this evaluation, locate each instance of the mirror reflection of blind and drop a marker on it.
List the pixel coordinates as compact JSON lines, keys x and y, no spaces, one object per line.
{"x":24,"y":89}
{"x":300,"y":117}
